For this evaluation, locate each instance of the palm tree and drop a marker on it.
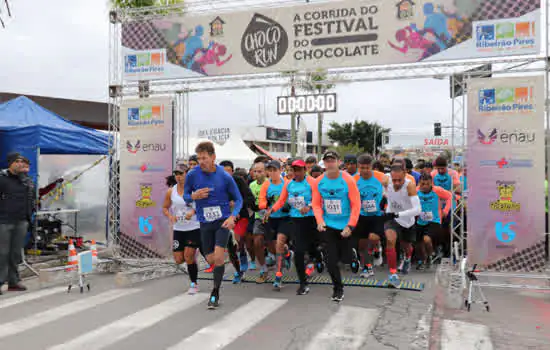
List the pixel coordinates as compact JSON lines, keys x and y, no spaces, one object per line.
{"x":318,"y":82}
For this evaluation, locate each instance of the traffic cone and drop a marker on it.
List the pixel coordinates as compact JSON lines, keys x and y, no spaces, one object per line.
{"x":72,"y":261}
{"x":94,"y":252}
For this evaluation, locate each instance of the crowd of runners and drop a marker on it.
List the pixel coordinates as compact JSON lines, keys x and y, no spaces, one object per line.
{"x":359,"y":211}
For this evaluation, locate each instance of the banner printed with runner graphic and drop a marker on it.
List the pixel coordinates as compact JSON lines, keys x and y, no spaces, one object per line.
{"x":145,"y":162}
{"x":329,"y":35}
{"x":505,"y":167}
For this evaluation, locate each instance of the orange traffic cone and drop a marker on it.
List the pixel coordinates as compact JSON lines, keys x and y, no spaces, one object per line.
{"x":94,"y":252}
{"x":72,"y":261}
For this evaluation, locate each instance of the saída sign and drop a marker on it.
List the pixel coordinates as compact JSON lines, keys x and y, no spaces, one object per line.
{"x":436,"y":142}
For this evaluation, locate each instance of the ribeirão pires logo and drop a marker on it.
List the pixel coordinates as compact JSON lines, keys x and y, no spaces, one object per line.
{"x":147,"y":63}
{"x":264,"y":42}
{"x":504,"y":202}
{"x":505,"y":137}
{"x":505,"y":35}
{"x":505,"y":232}
{"x":146,"y":117}
{"x":136,"y":146}
{"x":506,"y":100}
{"x":145,"y":224}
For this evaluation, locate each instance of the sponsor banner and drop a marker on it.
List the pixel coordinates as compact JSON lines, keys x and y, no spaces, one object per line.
{"x":334,"y":34}
{"x":145,"y":161}
{"x":216,"y":135}
{"x":505,"y":159}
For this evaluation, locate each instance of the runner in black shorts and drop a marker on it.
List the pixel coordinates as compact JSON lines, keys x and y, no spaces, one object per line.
{"x":370,"y":228}
{"x":432,"y":200}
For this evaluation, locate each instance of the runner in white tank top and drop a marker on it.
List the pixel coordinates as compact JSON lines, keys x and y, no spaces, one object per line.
{"x":186,"y":238}
{"x":403,"y":207}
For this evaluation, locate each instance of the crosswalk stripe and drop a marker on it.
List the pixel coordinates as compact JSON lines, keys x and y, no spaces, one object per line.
{"x":109,"y":334}
{"x":232,"y":326}
{"x":458,"y":335}
{"x":24,"y":324}
{"x":347,"y":329}
{"x":23,"y":298}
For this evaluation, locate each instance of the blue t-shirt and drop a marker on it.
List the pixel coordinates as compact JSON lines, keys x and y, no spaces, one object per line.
{"x":371,"y":192}
{"x":273,"y":194}
{"x":416,"y":176}
{"x":430,"y":208}
{"x":223,"y":189}
{"x":444,"y":181}
{"x":336,"y":203}
{"x":299,"y":196}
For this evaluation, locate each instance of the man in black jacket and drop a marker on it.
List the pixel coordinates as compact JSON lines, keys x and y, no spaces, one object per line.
{"x":16,"y":207}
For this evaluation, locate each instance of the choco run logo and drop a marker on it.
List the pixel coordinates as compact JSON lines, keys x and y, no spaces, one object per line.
{"x":506,"y":100}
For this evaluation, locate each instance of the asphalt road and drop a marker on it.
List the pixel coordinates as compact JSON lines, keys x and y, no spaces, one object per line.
{"x":159,"y":315}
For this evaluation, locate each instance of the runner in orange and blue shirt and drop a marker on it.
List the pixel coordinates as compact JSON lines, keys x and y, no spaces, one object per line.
{"x":436,"y":204}
{"x":337,"y":205}
{"x":277,"y":221}
{"x":298,"y":194}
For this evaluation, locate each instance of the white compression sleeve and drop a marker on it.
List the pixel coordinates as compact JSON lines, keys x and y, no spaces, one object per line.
{"x":415,"y":210}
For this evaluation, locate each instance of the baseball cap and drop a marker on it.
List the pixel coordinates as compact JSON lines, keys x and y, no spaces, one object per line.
{"x":299,"y":163}
{"x":194,"y":157}
{"x":273,"y":164}
{"x":331,"y":154}
{"x":350,"y":158}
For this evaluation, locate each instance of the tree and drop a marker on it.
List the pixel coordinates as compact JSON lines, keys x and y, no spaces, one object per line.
{"x":361,"y":134}
{"x":143,"y":3}
{"x":349,"y":149}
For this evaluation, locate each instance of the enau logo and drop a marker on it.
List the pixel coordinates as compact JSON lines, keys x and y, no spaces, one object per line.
{"x":504,"y":137}
{"x":145,"y":225}
{"x":504,"y":202}
{"x":147,"y":63}
{"x":146,"y":117}
{"x":506,"y":35}
{"x":147,"y":147}
{"x":504,"y":232}
{"x":506,"y":100}
{"x":145,"y":200}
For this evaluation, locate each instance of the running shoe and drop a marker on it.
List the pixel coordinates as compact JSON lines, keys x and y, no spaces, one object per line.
{"x":277,"y":284}
{"x":338,"y":295}
{"x":237,"y":277}
{"x":401,"y":264}
{"x":252,"y":265}
{"x":303,"y":289}
{"x":214,"y":301}
{"x":270,"y":260}
{"x":244,"y":262}
{"x":406,"y":266}
{"x":262,"y":277}
{"x":420,"y":266}
{"x":288,"y":260}
{"x":210,"y":269}
{"x":378,"y":258}
{"x":394,"y":281}
{"x":364,"y":273}
{"x":309,"y":269}
{"x":193,"y":288}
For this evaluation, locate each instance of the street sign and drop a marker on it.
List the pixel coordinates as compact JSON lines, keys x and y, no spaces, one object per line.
{"x":304,"y":104}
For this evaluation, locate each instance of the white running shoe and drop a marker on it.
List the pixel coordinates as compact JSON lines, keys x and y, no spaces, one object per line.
{"x":193,"y":289}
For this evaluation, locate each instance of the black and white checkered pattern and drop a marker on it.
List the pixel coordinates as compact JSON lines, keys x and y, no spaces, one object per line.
{"x":531,"y":259}
{"x":131,"y":248}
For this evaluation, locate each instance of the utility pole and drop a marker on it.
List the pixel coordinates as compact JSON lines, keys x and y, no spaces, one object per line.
{"x":293,"y":134}
{"x":319,"y":136}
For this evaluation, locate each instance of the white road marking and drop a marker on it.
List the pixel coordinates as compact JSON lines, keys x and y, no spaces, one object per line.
{"x":347,"y":329}
{"x":26,"y":297}
{"x":39,"y":319}
{"x":229,"y":328}
{"x":109,"y":334}
{"x":458,"y":335}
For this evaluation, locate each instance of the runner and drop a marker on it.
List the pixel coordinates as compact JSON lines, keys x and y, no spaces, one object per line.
{"x":193,"y":161}
{"x":186,"y":228}
{"x":316,"y":171}
{"x":310,"y":162}
{"x":403,"y":206}
{"x":212,"y":189}
{"x":371,"y":225}
{"x":429,"y":222}
{"x":277,"y":222}
{"x":350,"y":163}
{"x":298,"y":194}
{"x":336,"y":204}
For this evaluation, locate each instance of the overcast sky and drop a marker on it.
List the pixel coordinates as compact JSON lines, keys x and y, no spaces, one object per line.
{"x":59,"y":48}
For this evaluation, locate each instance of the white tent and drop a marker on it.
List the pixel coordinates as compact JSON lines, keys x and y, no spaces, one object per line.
{"x":235,"y":150}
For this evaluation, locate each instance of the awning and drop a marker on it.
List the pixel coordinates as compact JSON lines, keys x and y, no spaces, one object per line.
{"x":262,"y":151}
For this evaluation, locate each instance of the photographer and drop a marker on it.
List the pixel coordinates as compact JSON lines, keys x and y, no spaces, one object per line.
{"x":16,"y":206}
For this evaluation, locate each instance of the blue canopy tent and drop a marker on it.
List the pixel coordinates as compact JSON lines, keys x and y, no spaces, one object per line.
{"x":30,"y":129}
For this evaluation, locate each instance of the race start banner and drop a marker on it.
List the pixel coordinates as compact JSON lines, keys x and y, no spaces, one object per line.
{"x":326,"y":35}
{"x":145,"y":162}
{"x":505,"y":170}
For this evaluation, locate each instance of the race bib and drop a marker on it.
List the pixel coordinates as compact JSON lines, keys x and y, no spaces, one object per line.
{"x":369,"y":206}
{"x":298,"y":202}
{"x":333,"y":206}
{"x":180,"y":217}
{"x":426,"y":216}
{"x":212,"y":213}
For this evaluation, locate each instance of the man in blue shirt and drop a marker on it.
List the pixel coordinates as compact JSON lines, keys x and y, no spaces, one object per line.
{"x":212,"y":189}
